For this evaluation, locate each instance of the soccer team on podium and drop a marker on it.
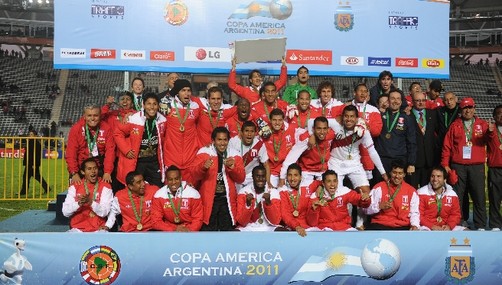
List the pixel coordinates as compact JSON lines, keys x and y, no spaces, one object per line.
{"x":177,"y":162}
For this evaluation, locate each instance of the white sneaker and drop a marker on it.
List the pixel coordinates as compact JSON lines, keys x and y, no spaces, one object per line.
{"x":496,"y":230}
{"x":481,"y":229}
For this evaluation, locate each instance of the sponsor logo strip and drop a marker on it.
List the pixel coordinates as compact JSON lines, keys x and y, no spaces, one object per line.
{"x":162,"y":55}
{"x":132,"y":54}
{"x":432,"y":63}
{"x":379,"y":61}
{"x":207,"y":54}
{"x":352,"y":60}
{"x":103,"y":53}
{"x":406,"y":62}
{"x":297,"y":56}
{"x":72,"y":53}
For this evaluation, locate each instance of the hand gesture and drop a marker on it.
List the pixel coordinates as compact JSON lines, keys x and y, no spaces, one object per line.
{"x":249,"y":199}
{"x":229,"y":162}
{"x":208,"y":163}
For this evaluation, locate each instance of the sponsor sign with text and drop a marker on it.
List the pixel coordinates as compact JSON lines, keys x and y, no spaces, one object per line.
{"x":406,"y":62}
{"x":298,"y":56}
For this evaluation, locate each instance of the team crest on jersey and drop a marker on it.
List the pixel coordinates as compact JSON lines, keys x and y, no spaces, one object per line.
{"x":339,"y":201}
{"x":135,"y":131}
{"x":191,"y":115}
{"x":254,"y":153}
{"x":460,"y":266}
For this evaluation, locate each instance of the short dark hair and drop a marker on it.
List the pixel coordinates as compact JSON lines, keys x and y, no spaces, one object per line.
{"x":151,"y":95}
{"x":360,"y":85}
{"x":294,"y":166}
{"x":385,"y":73}
{"x":90,"y":159}
{"x":276,"y":112}
{"x":442,"y":169}
{"x":138,"y":78}
{"x":397,"y":164}
{"x":257,"y":168}
{"x":268,"y":83}
{"x":328,"y":172}
{"x":495,"y":109}
{"x":350,"y":108}
{"x":253,"y":72}
{"x":414,"y":83}
{"x":248,"y":124}
{"x":301,"y":92}
{"x":321,"y":119}
{"x":214,"y":89}
{"x":172,"y":168}
{"x":130,"y":177}
{"x":300,"y":68}
{"x":218,"y":130}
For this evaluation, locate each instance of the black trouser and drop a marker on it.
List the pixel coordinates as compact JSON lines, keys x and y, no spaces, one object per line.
{"x":471,"y":179}
{"x":151,"y":172}
{"x":421,"y":177}
{"x":495,"y":196}
{"x":28,"y":173}
{"x":220,"y":219}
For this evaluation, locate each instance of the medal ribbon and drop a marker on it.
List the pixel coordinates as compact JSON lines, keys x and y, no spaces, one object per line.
{"x":91,"y":141}
{"x":498,"y":135}
{"x":182,"y":122}
{"x":294,"y":200}
{"x":353,"y":140}
{"x":468,"y":133}
{"x":393,"y":196}
{"x":149,"y":130}
{"x":277,"y":147}
{"x":171,"y":201}
{"x":323,"y":156}
{"x":391,"y":127}
{"x":218,"y":116}
{"x":95,"y":190}
{"x":439,"y":203}
{"x":306,"y":121}
{"x":133,"y":205}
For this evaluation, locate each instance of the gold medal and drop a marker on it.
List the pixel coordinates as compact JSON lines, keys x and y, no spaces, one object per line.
{"x":500,"y":147}
{"x":182,"y":128}
{"x":322,"y":203}
{"x":139,"y":227}
{"x":469,"y":143}
{"x":439,"y":219}
{"x":387,"y":135}
{"x":276,"y":159}
{"x":296,"y":213}
{"x":260,"y":220}
{"x":349,"y":157}
{"x":177,"y":220}
{"x":92,"y":215}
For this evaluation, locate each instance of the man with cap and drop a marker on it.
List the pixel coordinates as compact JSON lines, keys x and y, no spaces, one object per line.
{"x":464,"y":150}
{"x":181,"y":141}
{"x":435,"y":88}
{"x":165,"y":96}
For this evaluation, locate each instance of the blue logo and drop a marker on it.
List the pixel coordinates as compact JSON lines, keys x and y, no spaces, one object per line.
{"x":403,"y":22}
{"x":107,"y":11}
{"x":379,"y":61}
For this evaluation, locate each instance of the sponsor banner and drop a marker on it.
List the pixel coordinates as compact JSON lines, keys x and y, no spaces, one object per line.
{"x":372,"y":257}
{"x":352,"y":60}
{"x":296,"y":56}
{"x":432,"y":63}
{"x":206,"y":31}
{"x":103,"y":53}
{"x":132,"y":54}
{"x":379,"y":61}
{"x":208,"y":54}
{"x":12,"y":153}
{"x":162,"y":55}
{"x":406,"y":62}
{"x":72,"y":53}
{"x":52,"y":154}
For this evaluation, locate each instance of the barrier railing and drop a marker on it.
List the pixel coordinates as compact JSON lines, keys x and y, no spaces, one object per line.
{"x":32,"y":168}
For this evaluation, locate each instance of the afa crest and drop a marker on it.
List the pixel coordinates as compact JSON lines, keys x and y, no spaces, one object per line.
{"x":344,"y":17}
{"x":459,"y":265}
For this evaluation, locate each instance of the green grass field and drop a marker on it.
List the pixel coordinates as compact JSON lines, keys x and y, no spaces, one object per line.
{"x":11,"y":175}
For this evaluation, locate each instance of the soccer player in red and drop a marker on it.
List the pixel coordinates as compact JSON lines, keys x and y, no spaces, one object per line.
{"x":134,"y":203}
{"x":177,"y":206}
{"x":88,"y":203}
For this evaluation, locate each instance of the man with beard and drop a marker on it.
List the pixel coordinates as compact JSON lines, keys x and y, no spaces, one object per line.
{"x":439,"y":206}
{"x":299,"y":115}
{"x":134,"y":204}
{"x":394,"y":204}
{"x":327,"y":106}
{"x":88,"y":203}
{"x":217,"y":169}
{"x":140,"y":143}
{"x":291,"y":93}
{"x":328,"y":204}
{"x":252,"y":150}
{"x":214,"y":114}
{"x":90,"y":137}
{"x":177,"y":206}
{"x":258,"y":206}
{"x":464,"y":150}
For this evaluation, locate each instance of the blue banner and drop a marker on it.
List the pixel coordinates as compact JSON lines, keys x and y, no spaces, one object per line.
{"x":341,"y":38}
{"x":251,"y":258}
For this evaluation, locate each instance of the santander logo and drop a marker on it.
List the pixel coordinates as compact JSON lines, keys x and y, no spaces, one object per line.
{"x":406,"y":62}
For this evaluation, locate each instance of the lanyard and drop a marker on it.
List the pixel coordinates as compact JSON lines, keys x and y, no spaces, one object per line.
{"x":266,"y":109}
{"x":218,"y":116}
{"x":294,"y":200}
{"x":393,"y":196}
{"x":468,"y":132}
{"x":95,"y":190}
{"x":352,"y":143}
{"x":391,"y":127}
{"x":176,"y":210}
{"x":453,"y":116}
{"x":322,"y":156}
{"x":439,"y":203}
{"x":182,"y":122}
{"x":133,"y":205}
{"x":306,"y":121}
{"x":149,"y":130}
{"x":277,"y":147}
{"x":91,"y":141}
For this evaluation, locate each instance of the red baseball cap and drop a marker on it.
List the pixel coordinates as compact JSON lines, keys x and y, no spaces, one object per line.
{"x":467,"y":102}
